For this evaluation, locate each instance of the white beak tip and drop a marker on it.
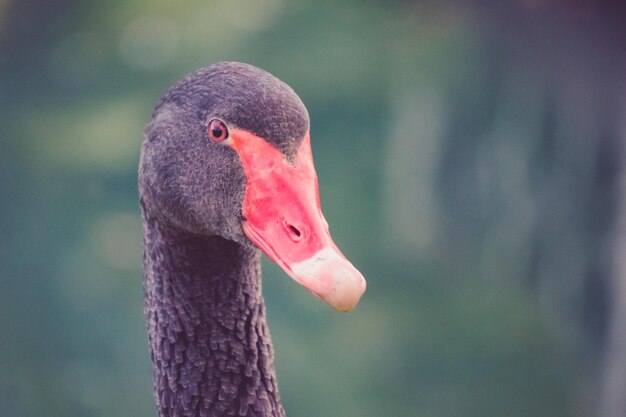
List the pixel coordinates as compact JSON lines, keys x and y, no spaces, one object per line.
{"x":333,"y":278}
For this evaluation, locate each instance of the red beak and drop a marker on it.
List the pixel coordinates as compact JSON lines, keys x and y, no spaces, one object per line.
{"x":283,"y":218}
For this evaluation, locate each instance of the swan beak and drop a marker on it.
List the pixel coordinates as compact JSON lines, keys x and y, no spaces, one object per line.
{"x":282,"y":217}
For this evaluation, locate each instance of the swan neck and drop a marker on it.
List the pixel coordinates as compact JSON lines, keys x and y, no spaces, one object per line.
{"x":209,"y":339}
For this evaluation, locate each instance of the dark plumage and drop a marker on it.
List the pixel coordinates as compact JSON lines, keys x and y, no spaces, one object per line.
{"x":208,"y":335}
{"x":198,"y":187}
{"x":247,"y":97}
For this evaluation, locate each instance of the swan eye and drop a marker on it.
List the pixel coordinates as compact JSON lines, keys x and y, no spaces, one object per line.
{"x":217,"y":130}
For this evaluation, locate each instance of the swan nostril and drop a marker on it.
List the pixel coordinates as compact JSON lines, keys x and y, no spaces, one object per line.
{"x":294,"y":233}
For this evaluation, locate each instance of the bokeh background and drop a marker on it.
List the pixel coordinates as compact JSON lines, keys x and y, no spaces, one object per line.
{"x":470,"y":157}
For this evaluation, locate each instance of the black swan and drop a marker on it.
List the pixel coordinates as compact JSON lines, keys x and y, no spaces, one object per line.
{"x":226,"y":169}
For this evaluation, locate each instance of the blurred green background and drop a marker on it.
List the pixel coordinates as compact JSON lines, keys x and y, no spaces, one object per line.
{"x":469,"y":157}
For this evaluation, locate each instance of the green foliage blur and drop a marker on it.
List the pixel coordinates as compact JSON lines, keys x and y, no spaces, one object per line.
{"x":427,"y":136}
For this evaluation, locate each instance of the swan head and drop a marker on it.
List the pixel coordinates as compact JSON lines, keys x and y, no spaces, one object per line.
{"x":227,"y":152}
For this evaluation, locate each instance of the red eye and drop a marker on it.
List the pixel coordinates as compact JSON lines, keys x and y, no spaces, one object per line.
{"x":217,"y":130}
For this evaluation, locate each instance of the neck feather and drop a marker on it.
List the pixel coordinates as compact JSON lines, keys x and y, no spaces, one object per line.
{"x":210,"y":344}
